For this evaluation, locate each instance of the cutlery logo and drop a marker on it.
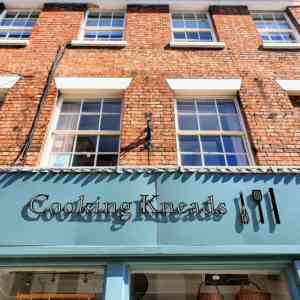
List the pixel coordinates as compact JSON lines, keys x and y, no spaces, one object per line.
{"x":257,"y":197}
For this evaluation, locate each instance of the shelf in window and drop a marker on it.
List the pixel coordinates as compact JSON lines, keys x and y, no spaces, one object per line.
{"x":281,"y":46}
{"x":13,"y":42}
{"x":208,"y":45}
{"x":83,"y":43}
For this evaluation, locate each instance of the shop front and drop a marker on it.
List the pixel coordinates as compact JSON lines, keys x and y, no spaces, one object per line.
{"x":153,"y":234}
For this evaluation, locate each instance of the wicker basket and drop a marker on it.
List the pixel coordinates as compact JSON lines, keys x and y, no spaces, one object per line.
{"x":256,"y":293}
{"x":209,"y":296}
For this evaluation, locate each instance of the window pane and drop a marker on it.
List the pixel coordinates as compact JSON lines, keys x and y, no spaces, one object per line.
{"x":104,"y":35}
{"x":288,"y":37}
{"x":70,"y":107}
{"x":15,"y":34}
{"x":107,"y":160}
{"x":30,"y":22}
{"x":237,"y":160}
{"x":206,"y":36}
{"x":89,"y":122}
{"x":109,"y":143}
{"x":233,"y":144}
{"x":179,"y":35}
{"x":191,"y":160}
{"x":105,"y":20}
{"x":60,"y":160}
{"x":214,"y":160}
{"x":111,"y":107}
{"x":6,"y":22}
{"x":277,"y":37}
{"x":191,"y":24}
{"x":189,"y":143}
{"x":67,"y":122}
{"x":116,"y":35}
{"x":110,"y":122}
{"x":118,"y":21}
{"x":187,"y":122}
{"x":206,"y":107}
{"x":226,"y":107}
{"x":41,"y":283}
{"x":209,"y":122}
{"x":83,"y":160}
{"x":90,"y":106}
{"x":178,"y":23}
{"x":90,"y":35}
{"x":92,"y":20}
{"x":19,"y":22}
{"x":63,"y":143}
{"x":230,"y":122}
{"x":211,"y":144}
{"x":192,"y":36}
{"x":3,"y":34}
{"x":186,"y":107}
{"x":86,"y":143}
{"x":284,"y":26}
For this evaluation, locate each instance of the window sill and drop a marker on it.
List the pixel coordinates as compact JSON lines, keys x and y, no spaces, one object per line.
{"x":283,"y":46}
{"x":80,"y":43}
{"x":12,"y":42}
{"x":208,"y":45}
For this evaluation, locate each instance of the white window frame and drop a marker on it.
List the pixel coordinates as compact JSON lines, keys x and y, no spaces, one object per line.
{"x":211,"y":29}
{"x":194,"y":44}
{"x":292,"y":29}
{"x":86,"y":28}
{"x":17,"y":28}
{"x":45,"y":158}
{"x":81,"y":42}
{"x":243,"y":133}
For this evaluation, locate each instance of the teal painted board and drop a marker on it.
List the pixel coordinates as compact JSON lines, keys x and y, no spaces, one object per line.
{"x":20,"y":227}
{"x":228,"y":230}
{"x":152,"y":224}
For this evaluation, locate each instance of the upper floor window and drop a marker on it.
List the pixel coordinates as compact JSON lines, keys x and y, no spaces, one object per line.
{"x":275,"y":27}
{"x":210,"y":132}
{"x":104,"y":26}
{"x":192,"y":27}
{"x":17,"y":24}
{"x":86,"y":133}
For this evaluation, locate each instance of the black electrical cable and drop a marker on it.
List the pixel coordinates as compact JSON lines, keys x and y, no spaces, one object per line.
{"x":28,"y":142}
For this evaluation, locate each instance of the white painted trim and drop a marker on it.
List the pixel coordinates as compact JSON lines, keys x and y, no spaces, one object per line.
{"x":205,"y":87}
{"x":6,"y":83}
{"x":82,"y":43}
{"x":292,"y":87}
{"x":95,"y":86}
{"x":174,"y":4}
{"x":281,"y":46}
{"x":209,"y":45}
{"x":12,"y":42}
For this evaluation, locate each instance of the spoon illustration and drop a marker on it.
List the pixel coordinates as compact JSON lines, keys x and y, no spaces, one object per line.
{"x":257,"y":197}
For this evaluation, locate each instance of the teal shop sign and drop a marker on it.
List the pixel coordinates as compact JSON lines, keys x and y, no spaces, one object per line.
{"x":148,"y":214}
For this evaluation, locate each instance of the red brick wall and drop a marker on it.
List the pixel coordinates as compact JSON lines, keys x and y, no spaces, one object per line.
{"x":272,"y":120}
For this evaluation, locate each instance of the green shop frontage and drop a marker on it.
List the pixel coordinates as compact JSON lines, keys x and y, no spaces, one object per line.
{"x":153,"y":234}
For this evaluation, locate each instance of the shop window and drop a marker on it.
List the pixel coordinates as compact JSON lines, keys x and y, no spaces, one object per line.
{"x":192,"y":27}
{"x":17,"y":25}
{"x":86,"y":134}
{"x":275,"y":27}
{"x":104,"y":26}
{"x":210,"y":132}
{"x":210,"y":285}
{"x":48,"y":285}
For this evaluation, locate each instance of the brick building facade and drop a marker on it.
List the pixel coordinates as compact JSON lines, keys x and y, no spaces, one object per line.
{"x":271,"y":118}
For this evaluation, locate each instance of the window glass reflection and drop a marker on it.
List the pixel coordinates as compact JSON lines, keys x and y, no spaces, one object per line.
{"x":48,"y":285}
{"x":212,"y":285}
